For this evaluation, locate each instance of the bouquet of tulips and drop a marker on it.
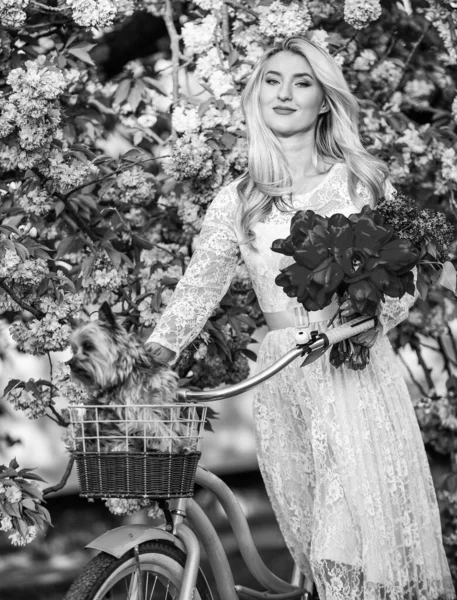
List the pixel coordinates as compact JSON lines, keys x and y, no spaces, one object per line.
{"x":361,"y":257}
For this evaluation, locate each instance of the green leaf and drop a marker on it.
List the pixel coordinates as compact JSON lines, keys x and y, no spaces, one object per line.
{"x":422,"y":286}
{"x":122,"y":91}
{"x":12,"y":384}
{"x":156,"y":85}
{"x":13,"y":510}
{"x":70,"y":244}
{"x":28,"y":503}
{"x":21,"y":251}
{"x":13,"y":464}
{"x":136,"y":95}
{"x":31,"y":490}
{"x":21,"y":527}
{"x":448,"y":277}
{"x":228,"y":140}
{"x":204,"y":106}
{"x":81,"y":54}
{"x":249,"y":354}
{"x":141,"y":243}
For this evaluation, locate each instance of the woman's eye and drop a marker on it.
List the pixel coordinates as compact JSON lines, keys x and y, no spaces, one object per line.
{"x":268,"y":80}
{"x":303,"y":83}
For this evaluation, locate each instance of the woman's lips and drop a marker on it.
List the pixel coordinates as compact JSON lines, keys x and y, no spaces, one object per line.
{"x":282,"y":110}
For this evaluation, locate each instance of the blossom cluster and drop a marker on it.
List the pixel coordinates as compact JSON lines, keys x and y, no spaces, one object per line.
{"x":93,"y":13}
{"x":191,"y":157}
{"x":12,"y":13}
{"x":133,"y":187}
{"x":32,"y":107}
{"x":360,"y":13}
{"x":34,"y":405}
{"x":278,"y":20}
{"x":21,"y":511}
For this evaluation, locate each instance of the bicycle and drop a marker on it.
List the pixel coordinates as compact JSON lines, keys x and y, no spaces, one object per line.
{"x":136,"y":562}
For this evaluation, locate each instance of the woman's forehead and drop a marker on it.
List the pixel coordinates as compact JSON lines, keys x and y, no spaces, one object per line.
{"x":285,"y":62}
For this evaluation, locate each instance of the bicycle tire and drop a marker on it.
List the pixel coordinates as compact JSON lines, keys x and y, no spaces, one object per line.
{"x":104,"y":572}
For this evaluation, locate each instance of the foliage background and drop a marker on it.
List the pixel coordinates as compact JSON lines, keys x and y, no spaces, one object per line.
{"x":82,"y":221}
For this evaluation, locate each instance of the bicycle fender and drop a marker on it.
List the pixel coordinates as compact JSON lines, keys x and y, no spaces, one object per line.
{"x":122,"y":539}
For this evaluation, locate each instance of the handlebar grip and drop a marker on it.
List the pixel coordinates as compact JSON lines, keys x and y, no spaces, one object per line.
{"x":343,"y":332}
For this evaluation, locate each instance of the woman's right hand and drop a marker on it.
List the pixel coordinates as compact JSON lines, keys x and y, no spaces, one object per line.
{"x":162,"y":353}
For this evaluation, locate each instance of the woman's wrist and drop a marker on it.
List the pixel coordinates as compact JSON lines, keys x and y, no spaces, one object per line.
{"x":161,"y":352}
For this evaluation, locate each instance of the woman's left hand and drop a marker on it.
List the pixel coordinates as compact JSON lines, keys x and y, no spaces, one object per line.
{"x":367,"y":338}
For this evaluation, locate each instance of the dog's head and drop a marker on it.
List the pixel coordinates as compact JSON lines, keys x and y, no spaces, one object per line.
{"x":105,"y":354}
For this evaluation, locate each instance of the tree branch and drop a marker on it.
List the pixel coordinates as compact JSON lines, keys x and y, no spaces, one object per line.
{"x":12,"y":294}
{"x":175,"y":53}
{"x":412,"y":53}
{"x":226,"y":29}
{"x":63,"y":481}
{"x":411,"y":375}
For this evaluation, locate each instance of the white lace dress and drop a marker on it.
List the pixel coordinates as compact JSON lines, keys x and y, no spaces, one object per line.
{"x":340,"y":451}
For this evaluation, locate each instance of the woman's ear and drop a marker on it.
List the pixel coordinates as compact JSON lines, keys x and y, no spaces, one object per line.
{"x":324,"y":108}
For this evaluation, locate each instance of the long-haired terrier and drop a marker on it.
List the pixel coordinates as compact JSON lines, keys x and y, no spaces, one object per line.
{"x":117,"y":369}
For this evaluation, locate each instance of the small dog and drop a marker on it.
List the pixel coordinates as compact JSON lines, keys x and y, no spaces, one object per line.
{"x":117,"y":369}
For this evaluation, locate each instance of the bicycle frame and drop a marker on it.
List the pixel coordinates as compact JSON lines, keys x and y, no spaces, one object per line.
{"x":118,"y":541}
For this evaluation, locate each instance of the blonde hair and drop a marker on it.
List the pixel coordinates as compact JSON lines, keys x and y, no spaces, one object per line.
{"x":336,"y":137}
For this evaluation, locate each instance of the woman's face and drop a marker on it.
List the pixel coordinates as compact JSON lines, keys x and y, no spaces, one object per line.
{"x":290,"y":96}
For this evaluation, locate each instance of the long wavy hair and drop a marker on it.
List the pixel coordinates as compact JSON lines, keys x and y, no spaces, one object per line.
{"x":269,"y":178}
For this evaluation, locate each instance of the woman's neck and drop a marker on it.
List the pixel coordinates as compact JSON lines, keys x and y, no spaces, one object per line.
{"x":298,"y":153}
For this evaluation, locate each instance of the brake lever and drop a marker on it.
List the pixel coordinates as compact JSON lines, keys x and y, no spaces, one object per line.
{"x":313,"y":345}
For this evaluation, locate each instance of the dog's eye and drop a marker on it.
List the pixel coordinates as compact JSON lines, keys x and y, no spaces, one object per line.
{"x":87,"y":347}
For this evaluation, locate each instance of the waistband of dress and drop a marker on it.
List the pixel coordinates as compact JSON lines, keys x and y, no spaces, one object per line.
{"x":298,"y":317}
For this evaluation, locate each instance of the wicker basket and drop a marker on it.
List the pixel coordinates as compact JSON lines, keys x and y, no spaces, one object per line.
{"x":139,"y":469}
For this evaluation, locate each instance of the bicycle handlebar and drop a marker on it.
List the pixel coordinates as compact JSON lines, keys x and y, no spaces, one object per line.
{"x":315,"y":342}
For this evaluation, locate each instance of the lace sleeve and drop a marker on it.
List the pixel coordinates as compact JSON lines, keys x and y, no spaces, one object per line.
{"x":206,"y":279}
{"x":395,"y":310}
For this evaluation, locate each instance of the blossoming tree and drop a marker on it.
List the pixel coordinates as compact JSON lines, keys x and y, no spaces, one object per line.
{"x":80,"y":224}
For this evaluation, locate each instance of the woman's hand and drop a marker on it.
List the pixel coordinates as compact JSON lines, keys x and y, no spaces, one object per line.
{"x":163,"y":354}
{"x":367,"y":338}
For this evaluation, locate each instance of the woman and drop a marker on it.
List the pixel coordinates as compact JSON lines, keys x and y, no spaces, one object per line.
{"x":340,"y":451}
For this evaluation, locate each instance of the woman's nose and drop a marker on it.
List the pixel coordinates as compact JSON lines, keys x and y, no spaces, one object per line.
{"x":284,"y":93}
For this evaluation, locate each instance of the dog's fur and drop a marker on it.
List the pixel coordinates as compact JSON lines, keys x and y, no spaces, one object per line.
{"x":117,"y":369}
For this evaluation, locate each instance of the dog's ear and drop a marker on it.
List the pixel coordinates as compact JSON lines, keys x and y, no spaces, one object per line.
{"x":105,"y":315}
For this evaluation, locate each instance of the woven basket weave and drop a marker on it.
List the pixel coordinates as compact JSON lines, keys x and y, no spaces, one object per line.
{"x":154,"y":475}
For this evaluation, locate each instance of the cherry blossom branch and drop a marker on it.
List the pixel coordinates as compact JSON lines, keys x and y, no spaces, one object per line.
{"x":415,"y":345}
{"x":62,"y":483}
{"x":226,"y":28}
{"x":412,"y":53}
{"x":346,"y":45}
{"x":447,"y":360}
{"x":411,"y":376}
{"x":241,"y":7}
{"x":12,"y":294}
{"x":46,"y":7}
{"x":175,"y":54}
{"x":119,"y":169}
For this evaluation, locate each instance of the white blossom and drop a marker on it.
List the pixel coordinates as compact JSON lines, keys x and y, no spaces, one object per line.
{"x":93,"y":13}
{"x":449,"y":164}
{"x":365,"y":61}
{"x":198,"y":37}
{"x":13,"y":493}
{"x":359,"y":13}
{"x":454,"y":109}
{"x":279,"y":20}
{"x":185,"y":120}
{"x":6,"y":524}
{"x":12,"y":12}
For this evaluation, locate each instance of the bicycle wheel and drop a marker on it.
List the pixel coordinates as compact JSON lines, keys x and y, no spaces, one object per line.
{"x":161,"y":564}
